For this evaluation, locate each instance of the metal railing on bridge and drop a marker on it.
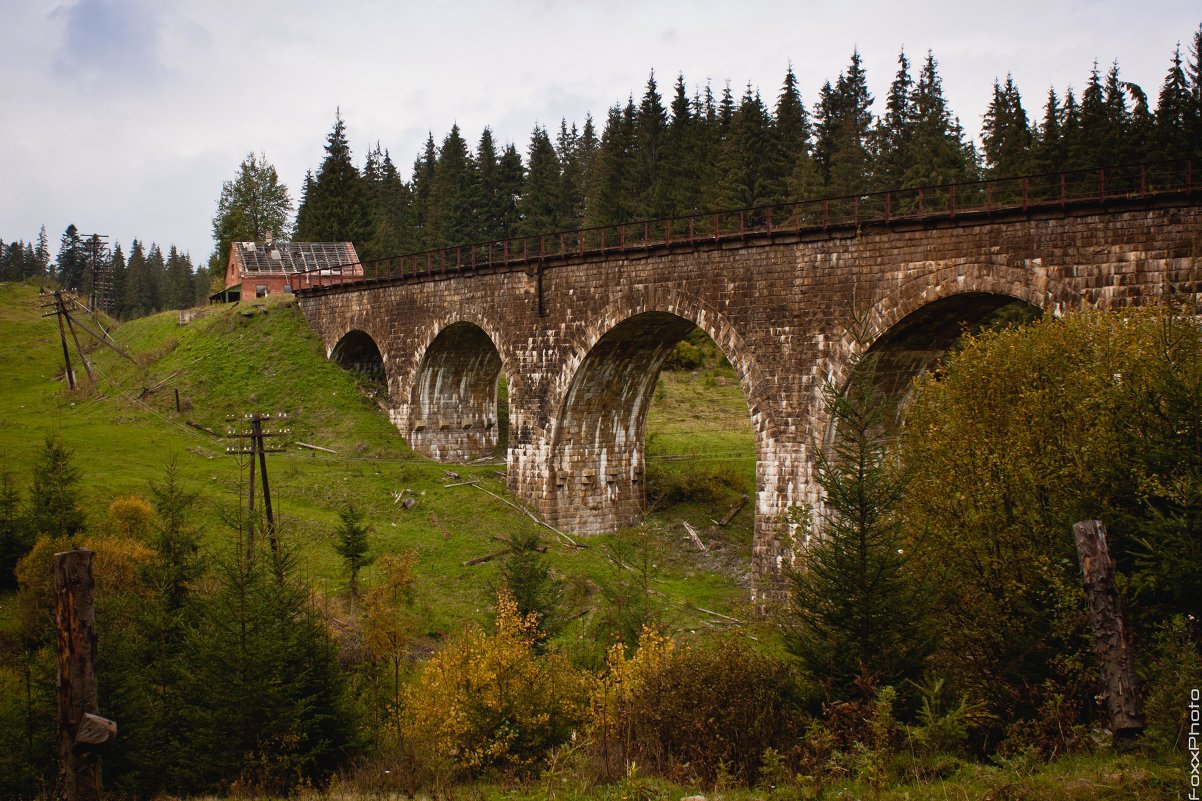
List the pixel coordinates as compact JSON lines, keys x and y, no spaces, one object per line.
{"x":825,"y":217}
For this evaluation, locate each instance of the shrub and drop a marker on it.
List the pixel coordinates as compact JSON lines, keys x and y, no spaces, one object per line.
{"x":491,"y":704}
{"x":697,"y":712}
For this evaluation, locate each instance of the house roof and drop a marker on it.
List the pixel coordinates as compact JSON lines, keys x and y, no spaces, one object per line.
{"x":292,"y":257}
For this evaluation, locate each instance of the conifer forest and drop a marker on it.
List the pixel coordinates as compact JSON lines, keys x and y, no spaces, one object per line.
{"x":935,"y":642}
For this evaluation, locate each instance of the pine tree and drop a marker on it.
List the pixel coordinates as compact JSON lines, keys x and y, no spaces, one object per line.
{"x":491,"y":194}
{"x":117,"y":279}
{"x":54,"y":508}
{"x":858,"y":613}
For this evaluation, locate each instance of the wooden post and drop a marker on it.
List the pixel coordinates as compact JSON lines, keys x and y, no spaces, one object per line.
{"x":1112,"y":637}
{"x":75,"y":624}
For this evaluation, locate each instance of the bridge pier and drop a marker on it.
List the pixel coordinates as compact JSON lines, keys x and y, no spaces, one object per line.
{"x":581,"y":335}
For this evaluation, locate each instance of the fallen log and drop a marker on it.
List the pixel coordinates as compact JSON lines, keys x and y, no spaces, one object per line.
{"x":479,"y":560}
{"x":314,"y":447}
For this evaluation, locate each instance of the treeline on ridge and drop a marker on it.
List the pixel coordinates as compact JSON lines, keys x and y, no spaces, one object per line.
{"x":692,"y":153}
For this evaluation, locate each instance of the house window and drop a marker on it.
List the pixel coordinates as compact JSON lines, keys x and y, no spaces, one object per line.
{"x":261,"y":291}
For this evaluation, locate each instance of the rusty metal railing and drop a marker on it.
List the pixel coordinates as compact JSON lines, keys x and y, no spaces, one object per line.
{"x":831,"y":216}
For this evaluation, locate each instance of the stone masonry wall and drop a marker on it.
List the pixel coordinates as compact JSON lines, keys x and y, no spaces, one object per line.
{"x":783,"y":311}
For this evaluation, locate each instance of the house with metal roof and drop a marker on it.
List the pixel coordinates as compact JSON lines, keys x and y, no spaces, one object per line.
{"x":258,"y":269}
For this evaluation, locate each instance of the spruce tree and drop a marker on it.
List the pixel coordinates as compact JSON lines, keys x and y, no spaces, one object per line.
{"x":178,"y":292}
{"x":423,"y":177}
{"x":491,"y":194}
{"x":15,"y":541}
{"x":336,"y":204}
{"x":511,"y":176}
{"x":352,"y":544}
{"x":569,"y":209}
{"x":1049,"y":151}
{"x":54,"y":508}
{"x":1194,"y":79}
{"x":1171,"y":136}
{"x":609,"y":199}
{"x":69,"y":265}
{"x":137,"y":290}
{"x":540,"y":196}
{"x":858,"y":613}
{"x":788,"y":168}
{"x":1006,"y":133}
{"x":42,"y":252}
{"x":651,"y":122}
{"x":895,"y":130}
{"x":940,"y":154}
{"x":454,"y":200}
{"x":529,"y":580}
{"x":678,"y":192}
{"x":117,"y":280}
{"x":745,"y":178}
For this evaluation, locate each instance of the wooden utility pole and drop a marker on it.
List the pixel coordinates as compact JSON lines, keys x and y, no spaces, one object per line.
{"x":1112,"y":637}
{"x":82,"y":734}
{"x":257,"y":448}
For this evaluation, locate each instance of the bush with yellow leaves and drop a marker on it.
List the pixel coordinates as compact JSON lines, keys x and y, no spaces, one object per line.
{"x":491,"y":704}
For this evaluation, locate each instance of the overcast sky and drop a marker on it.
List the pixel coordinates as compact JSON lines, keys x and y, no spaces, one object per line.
{"x":124,"y":117}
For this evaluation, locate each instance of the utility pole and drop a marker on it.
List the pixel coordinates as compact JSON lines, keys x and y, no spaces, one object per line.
{"x":98,"y":247}
{"x":255,"y":433}
{"x":63,"y":313}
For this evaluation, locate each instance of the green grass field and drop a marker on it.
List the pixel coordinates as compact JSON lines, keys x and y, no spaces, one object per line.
{"x":229,"y":361}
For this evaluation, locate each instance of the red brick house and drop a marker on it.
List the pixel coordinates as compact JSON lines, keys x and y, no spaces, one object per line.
{"x":257,"y":269}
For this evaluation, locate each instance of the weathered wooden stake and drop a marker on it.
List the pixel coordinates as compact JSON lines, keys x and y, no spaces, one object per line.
{"x":75,"y":624}
{"x":1112,"y":637}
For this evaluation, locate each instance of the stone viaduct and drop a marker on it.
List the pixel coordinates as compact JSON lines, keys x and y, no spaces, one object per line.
{"x":580,"y":326}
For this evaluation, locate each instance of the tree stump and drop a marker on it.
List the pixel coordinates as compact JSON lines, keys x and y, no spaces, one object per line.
{"x":1112,"y":637}
{"x":75,"y":626}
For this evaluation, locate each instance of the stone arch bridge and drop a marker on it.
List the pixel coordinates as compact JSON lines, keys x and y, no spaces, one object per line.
{"x":580,"y":323}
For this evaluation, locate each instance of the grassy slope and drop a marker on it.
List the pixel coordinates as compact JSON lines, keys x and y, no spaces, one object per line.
{"x":235,"y":360}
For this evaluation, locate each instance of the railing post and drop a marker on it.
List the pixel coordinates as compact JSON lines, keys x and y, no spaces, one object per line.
{"x":742,"y":222}
{"x":692,"y":231}
{"x":888,"y":206}
{"x":1026,"y":192}
{"x":858,"y":207}
{"x":952,"y":200}
{"x":921,"y":208}
{"x":1101,"y":185}
{"x":715,"y":226}
{"x":768,"y":211}
{"x":622,"y":237}
{"x":1063,"y":190}
{"x":1143,"y":179}
{"x":826,"y":216}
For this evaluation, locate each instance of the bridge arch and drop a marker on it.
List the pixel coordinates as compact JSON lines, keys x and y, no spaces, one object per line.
{"x":596,"y":458}
{"x":450,"y":408}
{"x":943,"y":299}
{"x":358,"y":351}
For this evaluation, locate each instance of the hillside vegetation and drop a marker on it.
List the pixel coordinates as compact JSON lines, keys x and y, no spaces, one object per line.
{"x":229,"y":361}
{"x":936,"y":644}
